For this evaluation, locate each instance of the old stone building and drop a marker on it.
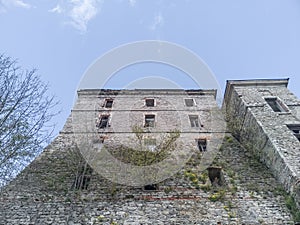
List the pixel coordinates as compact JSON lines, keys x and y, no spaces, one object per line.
{"x":155,"y":112}
{"x":190,"y":168}
{"x":265,"y":117}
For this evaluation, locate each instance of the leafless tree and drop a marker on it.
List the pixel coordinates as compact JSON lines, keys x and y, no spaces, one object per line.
{"x":26,"y":111}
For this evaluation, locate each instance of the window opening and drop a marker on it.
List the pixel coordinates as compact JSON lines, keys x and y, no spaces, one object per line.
{"x":189,"y":102}
{"x":100,"y":139}
{"x":275,"y":105}
{"x":151,"y":187}
{"x":103,"y":121}
{"x":83,"y":177}
{"x":194,"y":120}
{"x":108,"y":103}
{"x":296,"y":130}
{"x":215,"y":175}
{"x":149,"y":102}
{"x":202,"y":144}
{"x":98,"y":142}
{"x":149,"y":120}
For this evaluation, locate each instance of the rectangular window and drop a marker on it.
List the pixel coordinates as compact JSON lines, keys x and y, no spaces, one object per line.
{"x":151,"y":187}
{"x":108,"y":103}
{"x":189,"y":102}
{"x":276,"y":105}
{"x":194,"y":120}
{"x":295,"y":129}
{"x":149,"y":120}
{"x":202,"y":143}
{"x":103,"y":121}
{"x":150,"y":143}
{"x":149,"y":102}
{"x":82,"y":178}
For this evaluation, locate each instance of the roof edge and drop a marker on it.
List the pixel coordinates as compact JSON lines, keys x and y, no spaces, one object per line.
{"x":258,"y":82}
{"x":252,"y":82}
{"x":100,"y":92}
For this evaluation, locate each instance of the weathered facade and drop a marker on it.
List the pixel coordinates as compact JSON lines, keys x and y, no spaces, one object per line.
{"x":110,"y":116}
{"x":265,"y":117}
{"x":60,"y":187}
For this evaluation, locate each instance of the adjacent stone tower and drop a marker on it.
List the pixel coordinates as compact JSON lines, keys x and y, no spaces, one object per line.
{"x":265,"y":117}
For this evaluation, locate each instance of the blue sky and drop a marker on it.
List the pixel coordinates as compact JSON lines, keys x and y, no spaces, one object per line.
{"x":237,"y":39}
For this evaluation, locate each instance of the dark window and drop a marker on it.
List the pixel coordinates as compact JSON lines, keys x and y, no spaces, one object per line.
{"x":149,"y":120}
{"x":103,"y":121}
{"x":296,"y":130}
{"x":149,"y":102}
{"x":151,"y":187}
{"x":275,"y":104}
{"x":189,"y":102}
{"x":82,"y":177}
{"x":215,"y":175}
{"x":194,"y":120}
{"x":108,"y":103}
{"x":202,"y":143}
{"x":150,"y":143}
{"x":99,"y":140}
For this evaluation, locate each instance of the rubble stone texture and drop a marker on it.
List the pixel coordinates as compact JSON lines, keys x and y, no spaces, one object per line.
{"x":264,"y":131}
{"x":259,"y":157}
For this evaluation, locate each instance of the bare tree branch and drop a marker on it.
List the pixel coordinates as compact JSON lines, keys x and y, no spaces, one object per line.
{"x":26,"y":111}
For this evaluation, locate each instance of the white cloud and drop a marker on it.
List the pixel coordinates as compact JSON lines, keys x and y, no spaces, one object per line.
{"x":132,"y":2}
{"x":57,"y":9}
{"x":158,"y":22}
{"x":13,"y":3}
{"x":80,"y":12}
{"x":2,"y":8}
{"x":20,"y":3}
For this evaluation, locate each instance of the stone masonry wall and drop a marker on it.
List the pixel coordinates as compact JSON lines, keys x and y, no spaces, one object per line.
{"x":129,"y":110}
{"x":43,"y":193}
{"x":265,"y":132}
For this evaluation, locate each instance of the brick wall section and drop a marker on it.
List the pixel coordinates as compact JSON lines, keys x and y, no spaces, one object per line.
{"x":264,"y":131}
